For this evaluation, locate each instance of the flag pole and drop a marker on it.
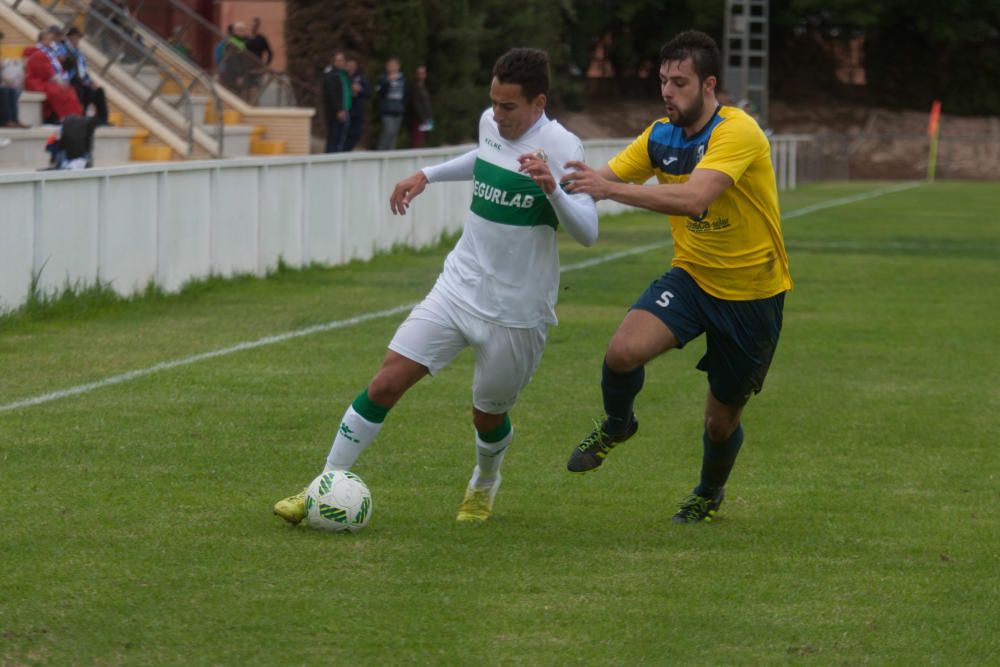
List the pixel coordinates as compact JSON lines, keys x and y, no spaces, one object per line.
{"x":932,"y":131}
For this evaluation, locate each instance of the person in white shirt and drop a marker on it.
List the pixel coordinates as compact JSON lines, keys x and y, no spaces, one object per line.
{"x":497,"y":292}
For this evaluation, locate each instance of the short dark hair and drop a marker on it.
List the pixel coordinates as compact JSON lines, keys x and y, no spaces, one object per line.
{"x":699,"y":47}
{"x":527,"y":67}
{"x":74,"y":31}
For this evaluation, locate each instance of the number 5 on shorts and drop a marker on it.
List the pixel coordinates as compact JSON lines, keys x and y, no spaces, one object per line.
{"x":664,"y":299}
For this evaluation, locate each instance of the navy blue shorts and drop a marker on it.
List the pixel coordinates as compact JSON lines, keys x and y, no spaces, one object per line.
{"x":741,"y":336}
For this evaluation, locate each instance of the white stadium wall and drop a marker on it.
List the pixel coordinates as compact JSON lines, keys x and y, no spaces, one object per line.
{"x":168,"y":224}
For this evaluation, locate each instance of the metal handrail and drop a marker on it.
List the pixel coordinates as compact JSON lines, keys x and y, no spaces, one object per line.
{"x":285,"y":84}
{"x":102,"y":29}
{"x":198,"y":76}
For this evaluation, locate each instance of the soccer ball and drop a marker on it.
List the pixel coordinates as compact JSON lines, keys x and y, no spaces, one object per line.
{"x":338,"y":501}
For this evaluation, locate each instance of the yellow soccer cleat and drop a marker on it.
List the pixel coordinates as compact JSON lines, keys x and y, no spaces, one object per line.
{"x":478,"y":503}
{"x":293,"y":508}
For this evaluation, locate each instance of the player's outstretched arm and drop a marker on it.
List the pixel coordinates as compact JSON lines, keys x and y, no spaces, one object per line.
{"x":689,"y":198}
{"x":456,"y":169}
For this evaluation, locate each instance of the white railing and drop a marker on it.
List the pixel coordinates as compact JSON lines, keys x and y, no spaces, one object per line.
{"x":168,"y":224}
{"x":785,"y":157}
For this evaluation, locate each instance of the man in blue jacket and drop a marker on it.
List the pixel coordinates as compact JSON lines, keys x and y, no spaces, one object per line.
{"x":391,"y":92}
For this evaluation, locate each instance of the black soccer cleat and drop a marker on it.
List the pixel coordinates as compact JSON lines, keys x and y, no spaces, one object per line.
{"x":590,"y":453}
{"x":699,"y":509}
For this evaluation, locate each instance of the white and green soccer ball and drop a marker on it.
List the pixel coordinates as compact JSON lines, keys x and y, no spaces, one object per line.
{"x":338,"y":501}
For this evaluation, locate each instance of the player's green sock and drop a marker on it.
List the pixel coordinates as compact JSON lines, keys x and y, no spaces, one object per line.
{"x":619,"y":391}
{"x":490,"y":450}
{"x":717,"y":461}
{"x":361,"y":423}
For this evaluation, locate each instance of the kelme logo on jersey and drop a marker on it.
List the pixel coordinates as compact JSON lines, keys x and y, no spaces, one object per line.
{"x":509,"y":198}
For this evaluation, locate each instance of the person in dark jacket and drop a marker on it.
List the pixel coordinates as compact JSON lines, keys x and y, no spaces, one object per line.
{"x":72,"y":144}
{"x":257,"y":46}
{"x":87,"y":90}
{"x":391,"y":92}
{"x":361,"y":92}
{"x":422,"y":114}
{"x":336,"y":102}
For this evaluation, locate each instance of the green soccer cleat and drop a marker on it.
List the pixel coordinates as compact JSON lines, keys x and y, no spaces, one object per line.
{"x":698,"y":509}
{"x":293,"y":508}
{"x":590,"y":453}
{"x":478,"y":503}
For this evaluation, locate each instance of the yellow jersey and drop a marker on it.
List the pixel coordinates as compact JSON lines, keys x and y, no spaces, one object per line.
{"x":734,"y":250}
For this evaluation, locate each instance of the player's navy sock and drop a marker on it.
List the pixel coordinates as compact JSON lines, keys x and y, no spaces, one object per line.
{"x":717,"y":461}
{"x":619,"y":391}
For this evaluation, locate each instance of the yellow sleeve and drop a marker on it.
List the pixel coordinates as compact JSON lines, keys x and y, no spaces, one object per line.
{"x":734,"y":146}
{"x":632,"y":164}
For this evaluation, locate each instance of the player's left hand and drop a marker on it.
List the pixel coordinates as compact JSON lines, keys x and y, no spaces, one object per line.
{"x":536,"y":166}
{"x":405,"y":191}
{"x":584,"y":179}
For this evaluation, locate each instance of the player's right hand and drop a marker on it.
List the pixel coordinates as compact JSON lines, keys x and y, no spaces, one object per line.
{"x":405,"y":191}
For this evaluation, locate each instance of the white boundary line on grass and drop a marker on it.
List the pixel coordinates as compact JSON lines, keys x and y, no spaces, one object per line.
{"x":833,"y":203}
{"x":341,"y":324}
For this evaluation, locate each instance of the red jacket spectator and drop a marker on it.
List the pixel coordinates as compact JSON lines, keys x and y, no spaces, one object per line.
{"x":41,"y":76}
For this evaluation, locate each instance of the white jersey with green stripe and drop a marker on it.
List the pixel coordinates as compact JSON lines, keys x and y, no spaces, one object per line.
{"x":505,"y":266}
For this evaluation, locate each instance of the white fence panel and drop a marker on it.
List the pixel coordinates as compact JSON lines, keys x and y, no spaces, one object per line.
{"x":66,"y":233}
{"x":233,"y":230}
{"x":128,"y":251}
{"x":184,"y":227}
{"x":17,"y":242}
{"x":172,"y":223}
{"x":363,"y":205}
{"x":324,"y":217}
{"x":281,"y":203}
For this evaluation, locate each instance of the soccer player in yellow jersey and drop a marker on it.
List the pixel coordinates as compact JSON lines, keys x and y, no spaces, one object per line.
{"x":729,"y":273}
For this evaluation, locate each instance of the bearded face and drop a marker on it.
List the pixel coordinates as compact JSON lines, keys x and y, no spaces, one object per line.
{"x":682,"y":92}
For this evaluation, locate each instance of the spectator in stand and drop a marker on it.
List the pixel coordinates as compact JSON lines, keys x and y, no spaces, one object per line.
{"x":235,"y":64}
{"x":219,"y":52}
{"x":43,"y":73}
{"x":422,"y":117}
{"x":361,"y":92}
{"x":8,"y":107}
{"x":257,"y":46}
{"x":87,"y":90}
{"x":10,"y":92}
{"x":71,"y":146}
{"x":391,"y":93}
{"x":336,"y":102}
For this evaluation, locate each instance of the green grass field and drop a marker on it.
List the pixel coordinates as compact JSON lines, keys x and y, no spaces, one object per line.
{"x":862,"y":523}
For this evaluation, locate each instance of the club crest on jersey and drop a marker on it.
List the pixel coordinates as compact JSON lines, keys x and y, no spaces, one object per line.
{"x":495,"y":195}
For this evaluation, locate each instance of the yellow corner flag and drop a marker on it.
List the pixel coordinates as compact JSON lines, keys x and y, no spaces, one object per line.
{"x":932,"y":132}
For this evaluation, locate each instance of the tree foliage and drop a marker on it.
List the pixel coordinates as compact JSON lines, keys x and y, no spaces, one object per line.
{"x":314,"y":28}
{"x":914,"y":50}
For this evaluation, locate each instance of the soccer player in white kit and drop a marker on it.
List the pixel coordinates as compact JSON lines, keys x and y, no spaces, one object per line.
{"x":497,"y":292}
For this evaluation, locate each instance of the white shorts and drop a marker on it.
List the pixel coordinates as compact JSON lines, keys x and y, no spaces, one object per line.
{"x":506,"y":358}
